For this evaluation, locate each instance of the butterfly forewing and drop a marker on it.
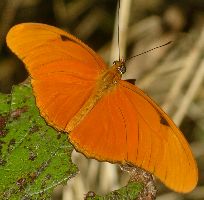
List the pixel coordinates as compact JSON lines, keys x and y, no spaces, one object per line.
{"x":63,"y":69}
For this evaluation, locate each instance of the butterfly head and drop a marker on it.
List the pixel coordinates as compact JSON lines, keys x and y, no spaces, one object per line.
{"x":120,"y":66}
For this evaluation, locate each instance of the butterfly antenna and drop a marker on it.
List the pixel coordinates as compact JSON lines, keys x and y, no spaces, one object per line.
{"x":150,"y":50}
{"x":119,"y":29}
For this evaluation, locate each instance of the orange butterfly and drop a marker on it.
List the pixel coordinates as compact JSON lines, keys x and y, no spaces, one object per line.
{"x":105,"y":117}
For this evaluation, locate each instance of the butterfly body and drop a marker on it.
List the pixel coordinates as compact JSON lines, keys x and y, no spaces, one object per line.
{"x":104,"y":117}
{"x":106,"y":82}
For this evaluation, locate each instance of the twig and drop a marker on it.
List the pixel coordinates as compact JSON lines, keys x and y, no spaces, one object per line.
{"x":124,"y":13}
{"x":190,"y":94}
{"x":183,"y":76}
{"x":108,"y":177}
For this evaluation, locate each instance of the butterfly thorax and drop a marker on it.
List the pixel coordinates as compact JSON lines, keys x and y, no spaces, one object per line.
{"x":107,"y":81}
{"x":112,"y":75}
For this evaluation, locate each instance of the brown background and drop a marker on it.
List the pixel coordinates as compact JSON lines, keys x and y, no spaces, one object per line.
{"x":168,"y":74}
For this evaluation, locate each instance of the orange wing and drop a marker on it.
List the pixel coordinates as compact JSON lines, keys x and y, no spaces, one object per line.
{"x":127,"y":126}
{"x":63,"y":69}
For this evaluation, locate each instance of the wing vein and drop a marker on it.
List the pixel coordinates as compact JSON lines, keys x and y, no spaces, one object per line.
{"x":125,"y":128}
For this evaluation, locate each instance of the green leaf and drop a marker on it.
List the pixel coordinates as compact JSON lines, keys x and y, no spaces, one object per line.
{"x":34,"y":157}
{"x":129,"y":192}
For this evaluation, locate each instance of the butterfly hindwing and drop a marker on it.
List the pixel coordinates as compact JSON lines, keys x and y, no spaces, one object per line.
{"x":173,"y":160}
{"x":100,"y":134}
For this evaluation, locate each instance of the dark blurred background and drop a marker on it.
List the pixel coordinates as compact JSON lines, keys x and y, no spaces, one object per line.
{"x":172,"y":75}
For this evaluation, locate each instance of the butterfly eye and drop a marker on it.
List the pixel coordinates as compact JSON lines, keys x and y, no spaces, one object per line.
{"x":114,"y":62}
{"x":122,"y":69}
